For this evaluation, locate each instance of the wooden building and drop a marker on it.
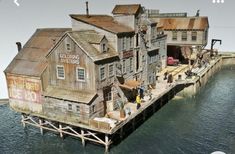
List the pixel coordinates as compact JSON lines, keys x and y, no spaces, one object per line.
{"x":74,"y":75}
{"x":185,"y":34}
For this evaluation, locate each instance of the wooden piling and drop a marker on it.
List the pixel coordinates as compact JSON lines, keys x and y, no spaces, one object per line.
{"x":82,"y":137}
{"x":40,"y":125}
{"x":106,"y":143}
{"x":121,"y":133}
{"x":133,"y":124}
{"x":60,"y":130}
{"x":22,"y":120}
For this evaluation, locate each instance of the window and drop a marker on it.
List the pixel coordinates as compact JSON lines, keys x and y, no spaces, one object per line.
{"x":92,"y":109}
{"x":150,"y":59}
{"x":80,"y":74}
{"x":102,"y":73}
{"x":104,"y":48}
{"x":111,"y":70}
{"x":60,"y":72}
{"x":153,"y":58}
{"x":206,"y":34}
{"x":184,"y":36}
{"x":127,"y":43}
{"x":70,"y":107}
{"x":78,"y":108}
{"x":68,"y":46}
{"x":124,"y":66}
{"x":108,"y":96}
{"x":153,"y":31}
{"x":131,"y":64}
{"x":194,"y":36}
{"x":123,"y":43}
{"x":174,"y":35}
{"x":131,"y":43}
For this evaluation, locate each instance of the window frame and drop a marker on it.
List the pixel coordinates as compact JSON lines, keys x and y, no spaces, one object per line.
{"x":124,"y":44}
{"x":184,"y":36}
{"x":127,"y":43}
{"x":68,"y":46}
{"x":104,"y":47}
{"x":174,"y":35}
{"x":102,"y":67}
{"x":153,"y":31}
{"x":92,"y":109}
{"x":124,"y":66}
{"x":78,"y":107}
{"x":131,"y":64}
{"x":77,"y":76}
{"x":109,"y":96}
{"x":131,"y":43}
{"x":70,"y":107}
{"x":57,"y":72}
{"x":111,"y":74}
{"x":194,"y":36}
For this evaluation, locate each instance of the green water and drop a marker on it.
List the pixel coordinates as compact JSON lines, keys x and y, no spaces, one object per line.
{"x":202,"y":124}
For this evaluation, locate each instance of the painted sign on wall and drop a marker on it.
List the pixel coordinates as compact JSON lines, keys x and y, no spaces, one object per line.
{"x":24,"y":89}
{"x":127,"y":54}
{"x":69,"y":58}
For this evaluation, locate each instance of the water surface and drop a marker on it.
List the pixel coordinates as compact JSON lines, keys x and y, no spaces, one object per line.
{"x":202,"y":124}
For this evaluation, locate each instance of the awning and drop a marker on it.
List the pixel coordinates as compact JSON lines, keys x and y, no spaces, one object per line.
{"x":70,"y":95}
{"x":130,"y":84}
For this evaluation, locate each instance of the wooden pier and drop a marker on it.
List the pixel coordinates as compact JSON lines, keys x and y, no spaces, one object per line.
{"x":106,"y":135}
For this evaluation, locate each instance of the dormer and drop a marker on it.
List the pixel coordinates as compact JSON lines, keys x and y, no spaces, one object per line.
{"x":104,"y":45}
{"x":100,"y":42}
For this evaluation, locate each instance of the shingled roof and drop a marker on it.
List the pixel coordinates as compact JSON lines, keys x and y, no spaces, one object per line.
{"x":31,"y":59}
{"x":105,"y":22}
{"x":184,"y":23}
{"x":128,"y":9}
{"x":85,"y":39}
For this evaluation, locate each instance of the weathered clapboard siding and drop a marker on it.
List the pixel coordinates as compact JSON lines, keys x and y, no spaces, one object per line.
{"x":108,"y":80}
{"x":45,"y":79}
{"x":61,"y":110}
{"x":201,"y":39}
{"x":128,"y":20}
{"x":162,"y":56}
{"x":70,"y":81}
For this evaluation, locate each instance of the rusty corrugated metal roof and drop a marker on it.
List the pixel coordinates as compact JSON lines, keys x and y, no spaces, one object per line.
{"x":184,"y":23}
{"x":70,"y":95}
{"x":104,"y":22}
{"x":128,"y":9}
{"x":31,"y":59}
{"x":82,"y":38}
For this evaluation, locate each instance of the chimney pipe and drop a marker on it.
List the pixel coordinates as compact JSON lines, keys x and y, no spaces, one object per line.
{"x":19,"y":46}
{"x":87,"y":9}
